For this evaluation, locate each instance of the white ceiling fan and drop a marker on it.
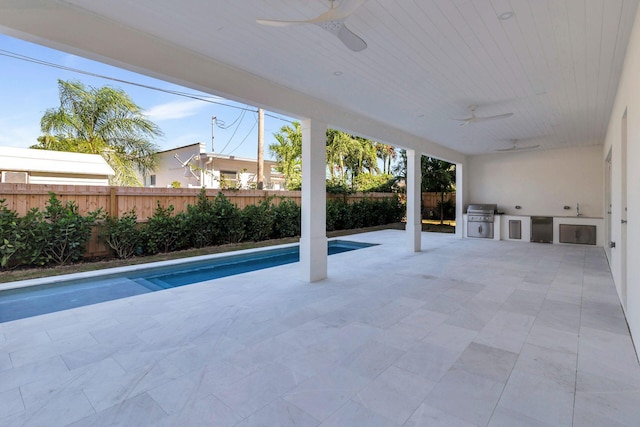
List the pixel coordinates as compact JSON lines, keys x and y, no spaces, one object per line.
{"x":476,"y":119}
{"x":332,"y":21}
{"x":515,"y":147}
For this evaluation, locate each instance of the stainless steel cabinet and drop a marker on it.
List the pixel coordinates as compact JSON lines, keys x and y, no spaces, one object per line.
{"x":542,"y":229}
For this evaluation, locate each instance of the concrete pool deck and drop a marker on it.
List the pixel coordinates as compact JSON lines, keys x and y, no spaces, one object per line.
{"x":466,"y":332}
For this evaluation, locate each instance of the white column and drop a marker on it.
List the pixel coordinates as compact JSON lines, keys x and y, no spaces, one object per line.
{"x":414,"y":198}
{"x":313,"y":241}
{"x":459,"y":201}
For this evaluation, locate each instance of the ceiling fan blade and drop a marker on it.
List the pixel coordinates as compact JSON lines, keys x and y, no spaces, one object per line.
{"x":498,"y":117}
{"x":351,"y":40}
{"x":333,"y":21}
{"x":514,"y":148}
{"x":276,"y":23}
{"x":338,"y":13}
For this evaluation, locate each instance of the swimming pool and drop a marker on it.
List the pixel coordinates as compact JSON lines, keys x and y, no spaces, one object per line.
{"x":61,"y":294}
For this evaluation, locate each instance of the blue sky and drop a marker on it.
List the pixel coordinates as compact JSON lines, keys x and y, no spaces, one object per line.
{"x":27,"y":90}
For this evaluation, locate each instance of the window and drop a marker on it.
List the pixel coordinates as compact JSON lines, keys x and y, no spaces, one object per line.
{"x":228,"y":179}
{"x":152,"y":180}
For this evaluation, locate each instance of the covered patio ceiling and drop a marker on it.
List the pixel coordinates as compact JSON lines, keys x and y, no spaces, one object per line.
{"x":554,"y":64}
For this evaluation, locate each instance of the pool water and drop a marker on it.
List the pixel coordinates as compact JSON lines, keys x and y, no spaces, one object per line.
{"x":62,"y":295}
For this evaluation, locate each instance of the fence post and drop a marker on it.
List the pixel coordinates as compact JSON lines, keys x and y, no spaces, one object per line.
{"x":113,"y":202}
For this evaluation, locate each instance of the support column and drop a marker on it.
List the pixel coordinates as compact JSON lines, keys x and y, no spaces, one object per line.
{"x":414,"y":199}
{"x":313,"y":241}
{"x":459,"y":201}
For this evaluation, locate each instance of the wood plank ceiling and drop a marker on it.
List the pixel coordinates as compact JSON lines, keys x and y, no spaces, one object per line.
{"x":555,"y":64}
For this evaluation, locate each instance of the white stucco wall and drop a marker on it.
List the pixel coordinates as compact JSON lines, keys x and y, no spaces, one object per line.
{"x":542,"y":182}
{"x":627,"y":99}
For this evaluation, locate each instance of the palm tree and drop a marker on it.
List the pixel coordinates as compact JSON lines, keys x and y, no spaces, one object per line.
{"x":102,"y":121}
{"x":288,"y":153}
{"x":386,"y":153}
{"x":338,"y":146}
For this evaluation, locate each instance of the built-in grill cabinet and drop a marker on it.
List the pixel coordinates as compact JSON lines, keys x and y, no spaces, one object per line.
{"x":480,"y":220}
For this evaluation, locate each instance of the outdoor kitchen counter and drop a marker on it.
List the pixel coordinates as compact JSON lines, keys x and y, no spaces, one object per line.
{"x":525,"y":223}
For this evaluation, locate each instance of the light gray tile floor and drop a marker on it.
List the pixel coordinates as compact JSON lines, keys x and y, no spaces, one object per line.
{"x":465,"y":333}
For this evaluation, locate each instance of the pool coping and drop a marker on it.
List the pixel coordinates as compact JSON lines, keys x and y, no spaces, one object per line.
{"x":18,"y":284}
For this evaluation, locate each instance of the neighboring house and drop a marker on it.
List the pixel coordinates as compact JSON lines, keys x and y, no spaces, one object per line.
{"x":192,"y":166}
{"x":30,"y":166}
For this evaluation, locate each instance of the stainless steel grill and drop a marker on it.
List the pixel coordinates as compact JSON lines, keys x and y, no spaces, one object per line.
{"x":480,"y":220}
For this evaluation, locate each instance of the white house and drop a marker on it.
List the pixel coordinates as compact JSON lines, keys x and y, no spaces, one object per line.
{"x":192,"y":166}
{"x":31,"y":166}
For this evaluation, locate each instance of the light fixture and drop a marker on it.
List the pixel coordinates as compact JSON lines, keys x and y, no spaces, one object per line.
{"x":337,"y":73}
{"x":505,"y":15}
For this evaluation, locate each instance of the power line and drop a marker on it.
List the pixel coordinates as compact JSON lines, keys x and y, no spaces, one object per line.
{"x":234,"y":132}
{"x":220,"y":123}
{"x":245,"y":137}
{"x":21,"y":57}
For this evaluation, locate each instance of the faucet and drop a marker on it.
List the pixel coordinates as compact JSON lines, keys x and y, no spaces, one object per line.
{"x":578,"y":210}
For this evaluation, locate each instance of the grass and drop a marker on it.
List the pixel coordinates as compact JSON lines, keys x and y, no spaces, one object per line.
{"x":91,"y":265}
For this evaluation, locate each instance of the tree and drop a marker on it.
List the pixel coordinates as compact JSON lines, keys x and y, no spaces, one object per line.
{"x":438,"y":176}
{"x":338,"y":147}
{"x":288,"y":153}
{"x":348,"y":157}
{"x":387,"y":154}
{"x":102,"y":121}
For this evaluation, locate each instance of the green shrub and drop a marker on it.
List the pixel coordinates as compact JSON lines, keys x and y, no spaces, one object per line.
{"x":287,"y":218}
{"x":66,"y":231}
{"x":338,"y":215}
{"x":342,"y":215}
{"x":11,"y":239}
{"x":122,"y":234}
{"x":337,"y":186}
{"x":258,"y":220}
{"x":34,"y":236}
{"x":198,"y":224}
{"x":163,"y":232}
{"x":367,"y":183}
{"x":227,"y":217}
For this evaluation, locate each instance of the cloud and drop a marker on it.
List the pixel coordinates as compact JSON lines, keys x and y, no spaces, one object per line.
{"x":175,"y":110}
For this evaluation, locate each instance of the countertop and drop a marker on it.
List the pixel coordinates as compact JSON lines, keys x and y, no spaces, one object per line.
{"x":553,"y":216}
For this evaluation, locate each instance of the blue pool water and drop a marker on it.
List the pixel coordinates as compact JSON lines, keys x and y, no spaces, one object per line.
{"x":62,"y":295}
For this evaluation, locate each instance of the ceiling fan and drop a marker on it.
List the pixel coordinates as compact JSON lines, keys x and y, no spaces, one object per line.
{"x":515,"y":147}
{"x":332,"y":21}
{"x":476,"y":119}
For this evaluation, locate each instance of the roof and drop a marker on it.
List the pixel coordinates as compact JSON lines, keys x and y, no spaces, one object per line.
{"x":215,"y":155}
{"x":32,"y":160}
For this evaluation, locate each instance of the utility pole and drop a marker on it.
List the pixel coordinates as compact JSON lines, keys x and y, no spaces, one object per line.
{"x":260,"y":174}
{"x":213,"y":123}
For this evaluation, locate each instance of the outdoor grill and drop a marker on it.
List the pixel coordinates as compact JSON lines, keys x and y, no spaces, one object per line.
{"x":480,"y":220}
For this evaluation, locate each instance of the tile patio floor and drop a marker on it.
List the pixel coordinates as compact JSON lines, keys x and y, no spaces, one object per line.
{"x":468,"y":332}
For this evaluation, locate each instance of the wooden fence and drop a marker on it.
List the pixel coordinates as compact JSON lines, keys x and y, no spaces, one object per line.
{"x":115,"y":201}
{"x":430,"y":200}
